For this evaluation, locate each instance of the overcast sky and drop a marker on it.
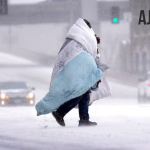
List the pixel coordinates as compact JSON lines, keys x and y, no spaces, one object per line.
{"x":35,"y":1}
{"x":24,"y":1}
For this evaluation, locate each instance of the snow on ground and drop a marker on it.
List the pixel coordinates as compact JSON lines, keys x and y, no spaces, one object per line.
{"x":8,"y":59}
{"x":123,"y":124}
{"x":119,"y":128}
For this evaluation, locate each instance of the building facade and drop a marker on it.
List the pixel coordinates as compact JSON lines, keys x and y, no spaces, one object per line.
{"x":140,"y":37}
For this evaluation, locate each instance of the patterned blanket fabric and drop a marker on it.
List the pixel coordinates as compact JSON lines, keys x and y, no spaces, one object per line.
{"x":74,"y":73}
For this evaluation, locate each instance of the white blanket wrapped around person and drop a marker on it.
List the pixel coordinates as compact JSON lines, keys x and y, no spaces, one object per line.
{"x":75,"y":70}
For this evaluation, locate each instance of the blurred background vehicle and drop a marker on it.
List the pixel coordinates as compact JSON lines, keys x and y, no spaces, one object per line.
{"x":144,"y":89}
{"x":16,"y":93}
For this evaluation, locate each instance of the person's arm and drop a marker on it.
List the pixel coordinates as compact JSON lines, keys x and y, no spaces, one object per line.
{"x":100,"y":65}
{"x":95,"y":87}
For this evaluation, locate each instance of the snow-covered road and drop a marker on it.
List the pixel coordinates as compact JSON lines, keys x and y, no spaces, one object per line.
{"x":123,"y":124}
{"x":119,"y":128}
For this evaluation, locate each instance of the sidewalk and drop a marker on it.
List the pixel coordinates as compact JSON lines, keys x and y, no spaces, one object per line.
{"x":123,"y":78}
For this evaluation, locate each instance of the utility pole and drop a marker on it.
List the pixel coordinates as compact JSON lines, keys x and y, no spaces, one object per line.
{"x":3,"y":7}
{"x":89,"y":11}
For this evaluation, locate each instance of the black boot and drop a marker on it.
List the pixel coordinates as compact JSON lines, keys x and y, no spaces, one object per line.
{"x":58,"y":118}
{"x":86,"y":123}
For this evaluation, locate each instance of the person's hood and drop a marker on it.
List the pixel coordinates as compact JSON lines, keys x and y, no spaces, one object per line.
{"x":84,"y":35}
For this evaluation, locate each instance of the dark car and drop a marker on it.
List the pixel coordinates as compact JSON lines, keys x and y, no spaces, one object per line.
{"x":16,"y":93}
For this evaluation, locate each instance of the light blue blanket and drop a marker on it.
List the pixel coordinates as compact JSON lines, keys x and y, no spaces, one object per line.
{"x":77,"y":77}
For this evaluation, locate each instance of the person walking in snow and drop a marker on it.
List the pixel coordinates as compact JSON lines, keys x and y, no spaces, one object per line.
{"x":76,"y":73}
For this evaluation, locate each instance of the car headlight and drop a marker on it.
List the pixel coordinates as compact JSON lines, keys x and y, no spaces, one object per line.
{"x":3,"y":96}
{"x":31,"y":102}
{"x":2,"y":102}
{"x":30,"y":95}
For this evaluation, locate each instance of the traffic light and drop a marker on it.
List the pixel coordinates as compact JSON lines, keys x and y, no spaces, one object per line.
{"x":3,"y":7}
{"x":115,"y":14}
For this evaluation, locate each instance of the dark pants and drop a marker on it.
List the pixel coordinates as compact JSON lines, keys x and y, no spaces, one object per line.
{"x":82,"y":102}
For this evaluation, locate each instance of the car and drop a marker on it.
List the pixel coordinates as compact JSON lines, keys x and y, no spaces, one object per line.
{"x":16,"y":93}
{"x":144,"y":89}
